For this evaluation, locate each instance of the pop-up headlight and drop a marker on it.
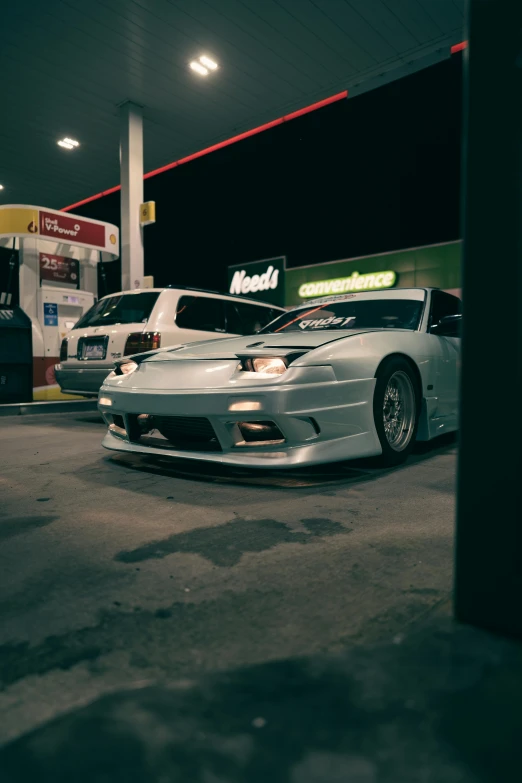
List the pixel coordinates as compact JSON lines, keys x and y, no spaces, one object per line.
{"x":267,"y":365}
{"x":125,"y":368}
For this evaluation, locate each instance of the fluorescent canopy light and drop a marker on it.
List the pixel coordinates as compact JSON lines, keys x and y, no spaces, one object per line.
{"x":199,"y":68}
{"x":208,"y":63}
{"x":68,"y":144}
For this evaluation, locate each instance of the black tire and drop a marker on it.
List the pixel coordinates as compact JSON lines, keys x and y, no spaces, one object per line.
{"x":397,"y":382}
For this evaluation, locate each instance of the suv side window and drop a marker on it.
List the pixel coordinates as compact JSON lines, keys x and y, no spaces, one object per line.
{"x":443,"y":304}
{"x":243,"y":318}
{"x":201,"y":313}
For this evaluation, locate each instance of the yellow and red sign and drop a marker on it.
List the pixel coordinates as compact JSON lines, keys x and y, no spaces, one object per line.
{"x":21,"y":220}
{"x":148,"y":213}
{"x":64,"y":227}
{"x":18,"y":221}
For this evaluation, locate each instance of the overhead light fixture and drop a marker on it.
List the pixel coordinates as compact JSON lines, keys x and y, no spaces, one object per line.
{"x":68,"y":144}
{"x":203,"y":65}
{"x":208,"y":63}
{"x":199,"y":68}
{"x":1,"y":187}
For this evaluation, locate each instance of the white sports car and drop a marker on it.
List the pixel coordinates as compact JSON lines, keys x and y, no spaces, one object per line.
{"x":339,"y":378}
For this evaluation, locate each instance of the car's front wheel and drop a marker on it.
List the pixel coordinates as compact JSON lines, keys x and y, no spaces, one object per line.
{"x":396,"y":405}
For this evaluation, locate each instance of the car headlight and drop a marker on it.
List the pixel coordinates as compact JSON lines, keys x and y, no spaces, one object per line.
{"x":269,"y":365}
{"x":125,"y":368}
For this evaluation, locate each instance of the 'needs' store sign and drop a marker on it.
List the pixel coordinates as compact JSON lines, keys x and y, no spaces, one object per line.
{"x":262,"y":280}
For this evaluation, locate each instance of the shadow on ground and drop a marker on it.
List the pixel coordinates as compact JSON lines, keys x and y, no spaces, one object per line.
{"x":314,"y":476}
{"x":17,"y":526}
{"x":442,"y":706}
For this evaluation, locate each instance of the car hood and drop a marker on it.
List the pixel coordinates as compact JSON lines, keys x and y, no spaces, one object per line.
{"x":257,"y":344}
{"x":214,"y":364}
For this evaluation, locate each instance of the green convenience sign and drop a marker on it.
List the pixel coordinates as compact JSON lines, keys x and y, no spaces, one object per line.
{"x":374,"y":281}
{"x":436,"y":266}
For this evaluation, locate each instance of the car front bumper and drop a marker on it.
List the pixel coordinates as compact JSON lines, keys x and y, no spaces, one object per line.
{"x":81,"y":380}
{"x":319,"y":422}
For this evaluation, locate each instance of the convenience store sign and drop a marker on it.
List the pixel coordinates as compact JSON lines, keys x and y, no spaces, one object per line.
{"x":374,"y":281}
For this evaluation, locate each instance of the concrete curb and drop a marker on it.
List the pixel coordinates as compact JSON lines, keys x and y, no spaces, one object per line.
{"x":53,"y":406}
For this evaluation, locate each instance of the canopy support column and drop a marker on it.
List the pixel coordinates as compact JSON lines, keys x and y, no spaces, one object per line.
{"x":131,"y":175}
{"x":488,"y":580}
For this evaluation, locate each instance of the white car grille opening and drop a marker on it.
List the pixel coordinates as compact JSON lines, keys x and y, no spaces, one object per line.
{"x":259,"y":433}
{"x":118,"y":425}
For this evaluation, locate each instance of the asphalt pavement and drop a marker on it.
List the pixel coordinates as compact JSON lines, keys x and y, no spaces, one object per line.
{"x":160,"y":590}
{"x":114,"y":572}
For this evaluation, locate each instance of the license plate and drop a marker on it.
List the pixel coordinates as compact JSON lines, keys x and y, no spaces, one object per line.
{"x":94,"y":351}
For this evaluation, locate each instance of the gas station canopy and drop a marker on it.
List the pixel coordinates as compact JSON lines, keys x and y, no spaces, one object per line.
{"x":69,"y":65}
{"x":25,"y":221}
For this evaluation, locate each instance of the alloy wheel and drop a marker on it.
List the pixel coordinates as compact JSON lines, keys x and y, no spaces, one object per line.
{"x":399,"y":410}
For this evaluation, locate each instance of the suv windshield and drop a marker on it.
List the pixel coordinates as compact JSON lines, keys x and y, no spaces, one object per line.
{"x":351,"y":314}
{"x":121,"y":309}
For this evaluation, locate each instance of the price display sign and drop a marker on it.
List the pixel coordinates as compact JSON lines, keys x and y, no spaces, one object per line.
{"x":59,"y":269}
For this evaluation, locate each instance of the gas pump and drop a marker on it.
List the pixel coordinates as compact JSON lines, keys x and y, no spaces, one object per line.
{"x":57,"y":278}
{"x":58,"y":309}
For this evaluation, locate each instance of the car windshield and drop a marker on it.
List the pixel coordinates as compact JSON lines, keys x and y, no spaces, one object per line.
{"x":351,"y":314}
{"x":121,"y":309}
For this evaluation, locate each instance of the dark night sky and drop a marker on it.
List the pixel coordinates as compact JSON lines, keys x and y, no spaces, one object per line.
{"x":373,"y":173}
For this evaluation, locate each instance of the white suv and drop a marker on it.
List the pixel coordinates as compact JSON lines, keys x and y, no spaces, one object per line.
{"x":132,"y":322}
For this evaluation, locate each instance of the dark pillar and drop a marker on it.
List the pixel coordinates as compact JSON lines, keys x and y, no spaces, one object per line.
{"x":488,"y":583}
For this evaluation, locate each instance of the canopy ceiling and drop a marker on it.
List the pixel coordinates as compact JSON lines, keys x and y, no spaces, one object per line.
{"x":68,"y":64}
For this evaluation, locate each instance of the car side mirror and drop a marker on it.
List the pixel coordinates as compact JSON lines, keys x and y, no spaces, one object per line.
{"x":449,"y":326}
